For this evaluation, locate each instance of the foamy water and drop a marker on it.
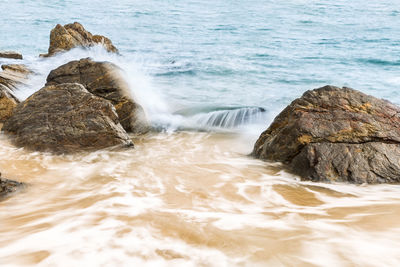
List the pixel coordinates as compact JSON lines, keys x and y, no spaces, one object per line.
{"x":188,"y":199}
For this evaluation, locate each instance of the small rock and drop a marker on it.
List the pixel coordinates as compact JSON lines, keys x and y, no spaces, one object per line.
{"x":8,"y":102}
{"x":64,"y":38}
{"x":11,"y":77}
{"x":21,"y":68}
{"x":65,"y":118}
{"x":10,"y":54}
{"x":8,"y":186}
{"x":14,"y":75}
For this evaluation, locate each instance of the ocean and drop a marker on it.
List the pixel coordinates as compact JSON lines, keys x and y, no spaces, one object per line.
{"x":211,"y":76}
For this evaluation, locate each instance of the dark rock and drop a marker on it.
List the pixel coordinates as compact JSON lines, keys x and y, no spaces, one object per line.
{"x":334,"y":134}
{"x":65,"y":118}
{"x":8,"y":187}
{"x":103,"y":79}
{"x":10,"y":54}
{"x":64,"y":38}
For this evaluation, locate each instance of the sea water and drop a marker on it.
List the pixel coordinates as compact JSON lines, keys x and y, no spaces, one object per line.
{"x":211,"y":76}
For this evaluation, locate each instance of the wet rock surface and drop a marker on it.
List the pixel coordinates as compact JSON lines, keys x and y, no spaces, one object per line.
{"x":8,"y":187}
{"x":18,"y":68}
{"x":65,"y":118}
{"x":336,"y":134}
{"x":8,"y":102}
{"x":103,"y":79}
{"x":14,"y":75}
{"x":10,"y":54}
{"x":64,"y":38}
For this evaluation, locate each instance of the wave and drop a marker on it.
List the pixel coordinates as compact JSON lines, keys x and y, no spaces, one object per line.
{"x":217,"y":118}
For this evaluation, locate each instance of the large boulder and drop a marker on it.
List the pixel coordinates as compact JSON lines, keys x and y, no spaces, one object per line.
{"x":64,"y":38}
{"x":336,"y":134}
{"x":65,"y":118}
{"x":10,"y":54}
{"x":103,"y":79}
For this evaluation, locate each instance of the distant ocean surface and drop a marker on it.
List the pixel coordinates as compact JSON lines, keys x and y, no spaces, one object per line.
{"x":211,"y":76}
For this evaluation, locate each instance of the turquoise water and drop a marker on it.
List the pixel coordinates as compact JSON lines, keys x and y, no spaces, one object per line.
{"x":231,"y":53}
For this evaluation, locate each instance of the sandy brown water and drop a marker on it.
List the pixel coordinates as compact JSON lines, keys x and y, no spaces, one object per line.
{"x":188,"y":199}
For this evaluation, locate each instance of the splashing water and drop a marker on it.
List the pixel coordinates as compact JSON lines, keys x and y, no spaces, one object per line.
{"x":231,"y":118}
{"x":144,"y":93}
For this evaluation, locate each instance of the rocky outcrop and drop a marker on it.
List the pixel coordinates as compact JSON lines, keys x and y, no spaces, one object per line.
{"x":65,"y":118}
{"x":10,"y":54}
{"x":8,"y":187}
{"x":103,"y":79}
{"x":64,"y":38}
{"x":336,"y":134}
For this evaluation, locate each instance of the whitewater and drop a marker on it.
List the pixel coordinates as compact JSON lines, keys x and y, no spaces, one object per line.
{"x":211,"y":76}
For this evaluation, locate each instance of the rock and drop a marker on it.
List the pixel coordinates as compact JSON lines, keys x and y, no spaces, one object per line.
{"x":11,"y":77}
{"x":14,"y":75}
{"x":18,"y":68}
{"x":10,"y":54}
{"x":65,"y":118}
{"x":8,"y":186}
{"x":64,"y":38}
{"x":103,"y":79}
{"x":334,"y":134}
{"x":8,"y":102}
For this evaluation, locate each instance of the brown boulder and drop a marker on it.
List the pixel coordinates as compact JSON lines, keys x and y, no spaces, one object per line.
{"x":65,"y":118}
{"x":10,"y":54}
{"x":103,"y":79}
{"x":64,"y":38}
{"x":336,"y":134}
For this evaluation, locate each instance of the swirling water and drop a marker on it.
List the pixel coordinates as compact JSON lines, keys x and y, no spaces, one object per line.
{"x":189,"y":195}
